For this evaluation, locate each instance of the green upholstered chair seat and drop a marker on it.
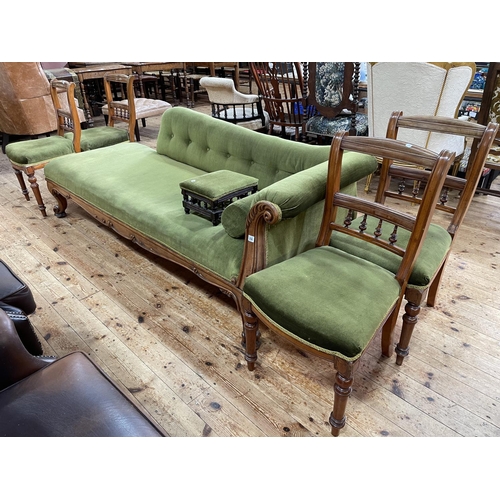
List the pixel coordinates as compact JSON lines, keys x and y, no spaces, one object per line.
{"x":38,"y":150}
{"x":434,"y":250}
{"x":100,"y":137}
{"x":324,"y":297}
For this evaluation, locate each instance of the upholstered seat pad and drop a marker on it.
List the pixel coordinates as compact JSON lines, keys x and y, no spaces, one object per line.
{"x":144,"y":108}
{"x":100,"y":137}
{"x":432,"y":254}
{"x":327,"y":126}
{"x":326,"y":298}
{"x":39,"y":150}
{"x":70,"y":397}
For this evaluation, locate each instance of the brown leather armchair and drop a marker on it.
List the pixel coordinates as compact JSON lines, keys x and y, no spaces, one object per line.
{"x":26,"y":107}
{"x":65,"y":397}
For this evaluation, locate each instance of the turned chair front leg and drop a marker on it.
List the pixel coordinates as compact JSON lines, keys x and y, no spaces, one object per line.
{"x":20,"y":179}
{"x":412,"y":309}
{"x":36,"y":190}
{"x":342,"y":390}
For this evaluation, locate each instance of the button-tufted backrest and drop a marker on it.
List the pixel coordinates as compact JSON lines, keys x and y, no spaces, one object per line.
{"x":209,"y":144}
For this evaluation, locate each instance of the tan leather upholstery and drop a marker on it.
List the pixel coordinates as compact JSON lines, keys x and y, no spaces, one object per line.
{"x":26,"y":105}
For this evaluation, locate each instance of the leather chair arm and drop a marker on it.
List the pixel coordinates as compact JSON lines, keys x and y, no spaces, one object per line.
{"x":16,"y":362}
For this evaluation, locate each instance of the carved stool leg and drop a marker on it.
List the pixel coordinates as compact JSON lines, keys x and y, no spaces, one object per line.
{"x":36,"y":190}
{"x":20,"y":179}
{"x":62,"y":204}
{"x":342,"y":388}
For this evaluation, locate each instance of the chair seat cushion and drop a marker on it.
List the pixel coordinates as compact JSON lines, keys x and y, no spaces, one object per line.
{"x":100,"y":137}
{"x":326,"y":298}
{"x":31,"y":152}
{"x":432,"y":254}
{"x":330,"y":126}
{"x":71,"y":397}
{"x":144,"y":107}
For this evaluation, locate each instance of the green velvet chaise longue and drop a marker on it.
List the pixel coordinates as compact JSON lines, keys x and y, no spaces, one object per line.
{"x":136,"y":190}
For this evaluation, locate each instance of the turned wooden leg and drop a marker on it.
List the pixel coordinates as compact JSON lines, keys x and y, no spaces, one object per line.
{"x":36,"y":191}
{"x":250,"y":329}
{"x":342,"y":389}
{"x":409,"y":322}
{"x":20,"y":179}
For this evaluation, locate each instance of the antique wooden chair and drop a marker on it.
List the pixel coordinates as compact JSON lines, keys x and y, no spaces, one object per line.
{"x":281,"y":87}
{"x":417,"y":88}
{"x":235,"y":107}
{"x":332,"y":100}
{"x":327,"y":301}
{"x":121,"y":110}
{"x":430,"y":264}
{"x":69,"y":126}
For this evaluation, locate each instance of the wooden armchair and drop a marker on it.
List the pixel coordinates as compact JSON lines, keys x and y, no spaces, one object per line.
{"x":281,"y":87}
{"x":332,"y":100}
{"x":403,"y":184}
{"x":327,"y":301}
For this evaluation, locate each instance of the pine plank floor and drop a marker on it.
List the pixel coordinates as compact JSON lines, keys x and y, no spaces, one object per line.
{"x":172,"y":340}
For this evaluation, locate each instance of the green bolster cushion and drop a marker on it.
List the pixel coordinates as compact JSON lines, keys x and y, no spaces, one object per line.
{"x":38,"y":150}
{"x":100,"y":137}
{"x":325,"y":298}
{"x":434,"y":250}
{"x":298,"y":192}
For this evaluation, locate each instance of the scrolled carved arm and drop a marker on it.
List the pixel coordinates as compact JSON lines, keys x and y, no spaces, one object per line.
{"x":261,"y":215}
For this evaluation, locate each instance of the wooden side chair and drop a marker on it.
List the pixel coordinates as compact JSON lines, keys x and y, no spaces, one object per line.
{"x":327,"y":301}
{"x":332,"y":100}
{"x":404,"y":184}
{"x":281,"y":87}
{"x":63,"y":96}
{"x":121,"y":110}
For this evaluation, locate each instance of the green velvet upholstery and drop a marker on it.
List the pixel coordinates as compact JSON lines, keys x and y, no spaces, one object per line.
{"x":39,"y":150}
{"x":324,"y":298}
{"x":140,"y":186}
{"x":432,"y":254}
{"x":298,"y":192}
{"x":217,"y":184}
{"x":213,"y":146}
{"x":100,"y":137}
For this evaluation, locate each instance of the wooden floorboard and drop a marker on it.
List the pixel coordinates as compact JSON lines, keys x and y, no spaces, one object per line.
{"x":173,"y":341}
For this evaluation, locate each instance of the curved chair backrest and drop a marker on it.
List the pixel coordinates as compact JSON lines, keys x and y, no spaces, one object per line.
{"x":63,"y":97}
{"x":482,"y":135}
{"x":281,"y":87}
{"x":119,"y":110}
